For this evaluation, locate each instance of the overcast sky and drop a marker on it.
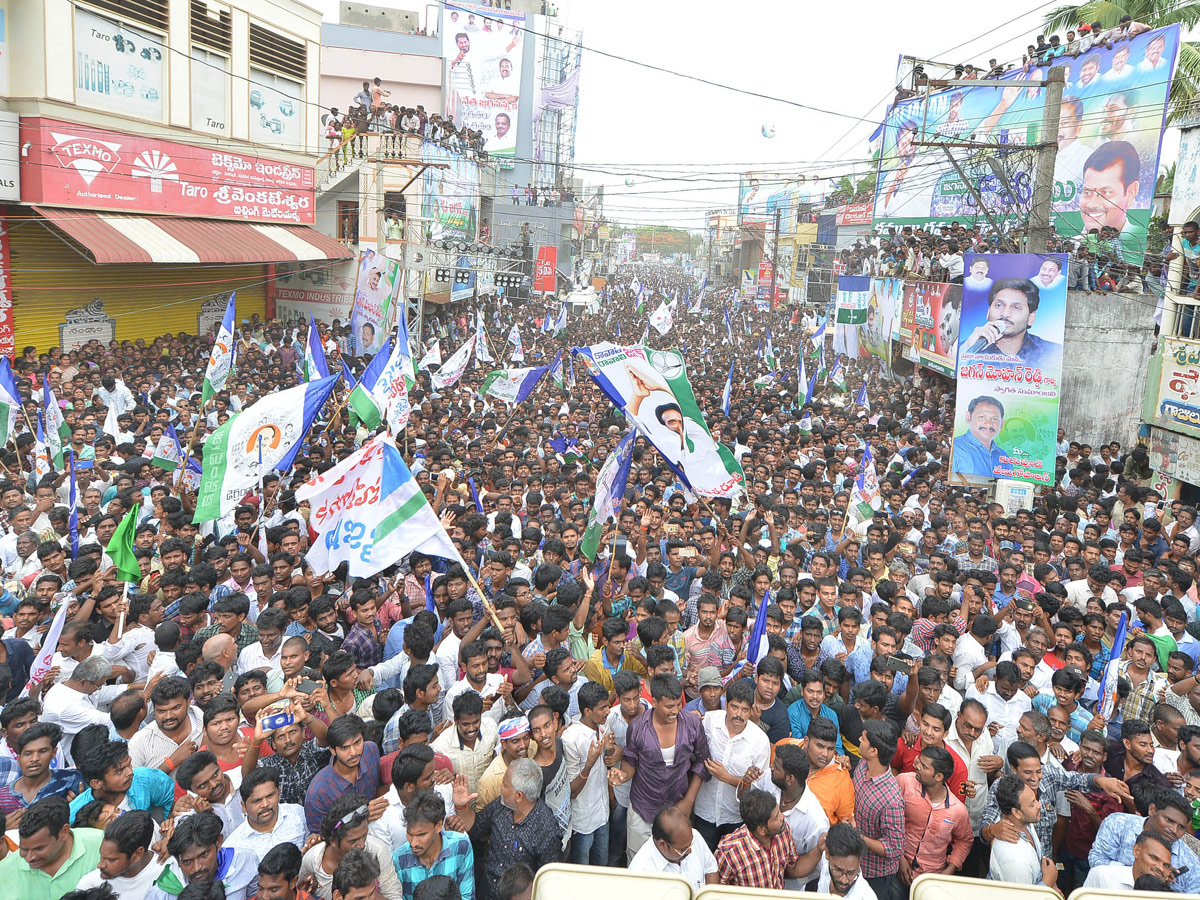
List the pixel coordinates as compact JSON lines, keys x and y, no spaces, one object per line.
{"x":659,"y":129}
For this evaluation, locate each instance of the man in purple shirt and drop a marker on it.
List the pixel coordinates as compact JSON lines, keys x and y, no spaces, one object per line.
{"x":665,"y":755}
{"x":353,"y":769}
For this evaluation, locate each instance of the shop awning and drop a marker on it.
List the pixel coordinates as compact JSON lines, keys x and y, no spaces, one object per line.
{"x":116,"y":238}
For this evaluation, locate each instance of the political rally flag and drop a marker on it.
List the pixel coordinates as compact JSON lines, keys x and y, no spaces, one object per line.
{"x":120,"y":548}
{"x":230,"y":456}
{"x":1107,"y":703}
{"x":315,"y":365}
{"x":483,"y":353}
{"x":610,"y":492}
{"x":514,"y":338}
{"x":168,"y":453}
{"x":454,"y":367}
{"x":44,"y":661}
{"x":362,"y":401}
{"x":728,"y":392}
{"x":220,"y":361}
{"x":10,"y":401}
{"x":512,"y":385}
{"x":556,"y":369}
{"x":432,"y":357}
{"x":58,"y":433}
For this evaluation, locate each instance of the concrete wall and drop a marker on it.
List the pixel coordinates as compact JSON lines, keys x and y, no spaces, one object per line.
{"x":1105,"y":357}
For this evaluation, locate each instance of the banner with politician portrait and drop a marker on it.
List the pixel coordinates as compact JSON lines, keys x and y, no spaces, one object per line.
{"x":379,"y":280}
{"x":930,"y":322}
{"x":483,"y":48}
{"x":1110,"y":130}
{"x":1010,"y":366}
{"x":651,"y":387}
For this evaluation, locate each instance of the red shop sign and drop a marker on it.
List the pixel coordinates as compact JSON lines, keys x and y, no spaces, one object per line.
{"x":94,"y":168}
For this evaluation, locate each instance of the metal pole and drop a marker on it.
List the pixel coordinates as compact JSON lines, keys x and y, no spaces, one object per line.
{"x":1043,"y":180}
{"x":774,"y":262}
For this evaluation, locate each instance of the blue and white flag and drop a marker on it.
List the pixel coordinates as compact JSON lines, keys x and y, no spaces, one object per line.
{"x":483,"y":353}
{"x":315,"y":365}
{"x":802,"y":376}
{"x":1107,"y":703}
{"x":611,"y":482}
{"x":230,"y":455}
{"x":58,"y":433}
{"x":561,"y":323}
{"x":514,"y":338}
{"x":73,"y":517}
{"x":10,"y":401}
{"x":362,"y":395}
{"x":556,"y":369}
{"x":812,"y":387}
{"x":168,"y":454}
{"x":348,"y":376}
{"x":728,"y":324}
{"x":475,"y":495}
{"x":861,"y":399}
{"x":864,"y":496}
{"x":728,"y":392}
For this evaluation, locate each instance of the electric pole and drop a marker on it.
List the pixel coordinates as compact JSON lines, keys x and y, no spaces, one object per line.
{"x":1047,"y":152}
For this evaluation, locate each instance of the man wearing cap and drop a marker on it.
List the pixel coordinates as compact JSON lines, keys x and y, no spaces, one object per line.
{"x":514,"y":745}
{"x":712,"y":692}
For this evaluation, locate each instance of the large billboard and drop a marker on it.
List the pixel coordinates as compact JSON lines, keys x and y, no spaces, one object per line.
{"x":1110,"y":128}
{"x":375,"y":292}
{"x":929,"y":323}
{"x":1010,"y":341}
{"x":483,"y":47}
{"x":450,"y":195}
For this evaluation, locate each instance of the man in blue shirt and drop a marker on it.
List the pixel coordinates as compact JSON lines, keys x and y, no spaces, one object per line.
{"x":431,"y":849}
{"x":810,"y":705}
{"x":976,"y":452}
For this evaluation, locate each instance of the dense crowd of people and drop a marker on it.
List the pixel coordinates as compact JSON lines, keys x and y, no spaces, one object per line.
{"x":925,"y":694}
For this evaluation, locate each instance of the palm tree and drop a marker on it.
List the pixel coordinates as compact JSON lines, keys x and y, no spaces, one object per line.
{"x":1156,"y":13}
{"x":1166,"y":180}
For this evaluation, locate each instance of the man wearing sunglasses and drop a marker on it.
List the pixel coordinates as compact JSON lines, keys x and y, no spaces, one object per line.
{"x":677,"y":849}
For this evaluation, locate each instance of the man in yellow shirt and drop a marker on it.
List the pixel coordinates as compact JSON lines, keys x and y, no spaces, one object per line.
{"x":611,"y":658}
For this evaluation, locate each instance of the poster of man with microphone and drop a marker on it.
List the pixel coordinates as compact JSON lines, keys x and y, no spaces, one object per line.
{"x":1010,"y":358}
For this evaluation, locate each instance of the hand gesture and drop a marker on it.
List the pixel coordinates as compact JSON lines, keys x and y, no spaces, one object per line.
{"x":595,"y":749}
{"x":376,"y":808}
{"x":462,"y":795}
{"x":752,"y":775}
{"x":366,"y":680}
{"x":717,"y":770}
{"x":259,"y":735}
{"x":617,"y":776}
{"x":1005,"y":831}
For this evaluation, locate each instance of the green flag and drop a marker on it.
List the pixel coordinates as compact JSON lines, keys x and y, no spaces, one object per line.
{"x":120,"y":548}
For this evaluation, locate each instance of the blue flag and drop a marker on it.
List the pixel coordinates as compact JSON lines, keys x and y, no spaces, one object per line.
{"x":429,"y":604}
{"x":475,"y":495}
{"x":728,"y":392}
{"x":812,"y":386}
{"x":73,"y":519}
{"x":351,"y":382}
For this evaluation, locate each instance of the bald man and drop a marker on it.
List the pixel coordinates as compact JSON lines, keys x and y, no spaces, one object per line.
{"x":676,"y":848}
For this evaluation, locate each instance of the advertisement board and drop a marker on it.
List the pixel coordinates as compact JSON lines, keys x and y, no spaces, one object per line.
{"x":929,"y":323}
{"x":1174,"y":455}
{"x":854,"y":214}
{"x":94,"y":168}
{"x":1010,"y":342}
{"x":543,"y":273}
{"x":1178,"y":402}
{"x":304,"y":290}
{"x":484,"y":48}
{"x":118,"y":68}
{"x":1111,"y":122}
{"x":276,"y":110}
{"x":450,"y":195}
{"x":375,"y":291}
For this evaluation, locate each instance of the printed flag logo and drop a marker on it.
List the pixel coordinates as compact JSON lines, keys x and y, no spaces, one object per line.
{"x":87,"y":157}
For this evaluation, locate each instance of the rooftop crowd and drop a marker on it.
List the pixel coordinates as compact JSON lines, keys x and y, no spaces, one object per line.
{"x":924,"y":698}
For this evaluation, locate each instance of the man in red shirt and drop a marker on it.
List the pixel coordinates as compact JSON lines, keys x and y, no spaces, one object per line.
{"x":935,"y":722}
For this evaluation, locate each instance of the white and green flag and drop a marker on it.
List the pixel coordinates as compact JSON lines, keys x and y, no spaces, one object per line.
{"x":369,"y":512}
{"x":168,"y":454}
{"x":264,"y":436}
{"x":220,"y":361}
{"x":362,"y":401}
{"x":512,"y":385}
{"x":454,"y":367}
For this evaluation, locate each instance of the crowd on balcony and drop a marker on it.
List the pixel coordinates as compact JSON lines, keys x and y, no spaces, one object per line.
{"x":371,"y":112}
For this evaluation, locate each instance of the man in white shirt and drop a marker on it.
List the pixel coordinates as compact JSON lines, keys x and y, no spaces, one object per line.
{"x":584,"y":749}
{"x":841,"y":870}
{"x":412,"y":771}
{"x":477,"y":678}
{"x":801,"y":807}
{"x":1151,"y":856}
{"x":1004,"y":701}
{"x":969,"y":738}
{"x":127,"y":864}
{"x":1020,"y":861}
{"x":969,"y":656}
{"x":1094,"y":585}
{"x":740,"y":758}
{"x":268,"y":822}
{"x":266,"y":652}
{"x":68,"y":704}
{"x":132,"y":647}
{"x":675,"y":848}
